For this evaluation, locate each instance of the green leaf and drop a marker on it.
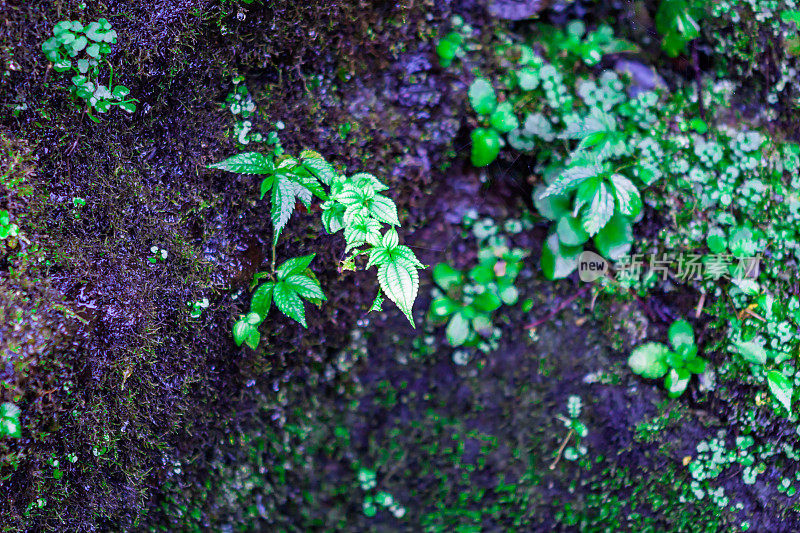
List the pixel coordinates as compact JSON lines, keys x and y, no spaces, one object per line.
{"x":316,"y":164}
{"x":509,"y":294}
{"x":399,"y":280}
{"x":253,"y":339}
{"x":629,"y":201}
{"x":289,"y":303}
{"x":83,"y":66}
{"x":262,"y":299}
{"x":716,"y":240}
{"x":130,"y":107}
{"x":485,"y":146}
{"x":241,"y":330}
{"x":405,"y":253}
{"x":528,"y":78}
{"x":246,"y":163}
{"x":615,"y":239}
{"x":676,"y":381}
{"x":570,"y":231}
{"x":558,"y":261}
{"x":550,"y":207}
{"x":306,"y":286}
{"x":600,"y":211}
{"x":120,"y":92}
{"x":295,"y":265}
{"x":742,"y":242}
{"x":681,"y":335}
{"x":443,"y":306}
{"x":93,"y":50}
{"x":447,"y":277}
{"x":378,"y":255}
{"x":362,"y":179}
{"x":365,"y":230}
{"x":457,"y":330}
{"x":377,"y":304}
{"x":284,"y":197}
{"x":781,"y":388}
{"x":10,"y":425}
{"x":696,"y":365}
{"x":572,"y":176}
{"x":753,"y":352}
{"x":486,"y":302}
{"x":649,"y":360}
{"x":503,"y":118}
{"x":384,"y":209}
{"x":482,"y":96}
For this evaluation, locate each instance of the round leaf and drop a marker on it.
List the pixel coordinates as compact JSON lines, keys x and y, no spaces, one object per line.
{"x":482,"y":96}
{"x":649,"y":360}
{"x":485,"y":146}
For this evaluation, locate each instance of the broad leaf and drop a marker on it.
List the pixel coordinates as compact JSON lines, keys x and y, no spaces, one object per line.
{"x":600,"y":211}
{"x":246,"y":163}
{"x":289,"y":303}
{"x":447,"y":277}
{"x":316,"y":164}
{"x":570,"y":231}
{"x":457,"y":330}
{"x":262,"y":299}
{"x":753,"y":352}
{"x":305,"y":286}
{"x":615,"y":239}
{"x":503,"y":118}
{"x":681,"y":335}
{"x":677,"y":381}
{"x":629,"y":201}
{"x":649,"y":360}
{"x":572,"y":176}
{"x":295,"y":265}
{"x":384,"y":209}
{"x":781,"y":388}
{"x":482,"y":96}
{"x":485,"y":146}
{"x":558,"y":261}
{"x":399,"y":280}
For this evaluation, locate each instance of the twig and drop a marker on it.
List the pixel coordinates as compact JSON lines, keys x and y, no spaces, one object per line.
{"x":561,"y":449}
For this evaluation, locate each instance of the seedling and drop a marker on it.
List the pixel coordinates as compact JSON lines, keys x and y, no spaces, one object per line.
{"x":159,"y":254}
{"x":81,"y":50}
{"x":7,"y":228}
{"x":655,"y":360}
{"x":198,"y":307}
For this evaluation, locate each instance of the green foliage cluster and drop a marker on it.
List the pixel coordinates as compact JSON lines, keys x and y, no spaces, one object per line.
{"x":655,"y":360}
{"x":353,"y":205}
{"x":70,"y":38}
{"x":594,"y":145}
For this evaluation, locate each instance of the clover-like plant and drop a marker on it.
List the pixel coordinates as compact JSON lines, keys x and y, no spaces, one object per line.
{"x":655,"y":360}
{"x":351,"y":204}
{"x":468,"y":299}
{"x":676,"y":21}
{"x":81,"y":49}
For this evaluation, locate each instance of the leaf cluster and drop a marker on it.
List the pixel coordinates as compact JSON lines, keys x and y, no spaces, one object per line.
{"x":655,"y":360}
{"x":94,"y":40}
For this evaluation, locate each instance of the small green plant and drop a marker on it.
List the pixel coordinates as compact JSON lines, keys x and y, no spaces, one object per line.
{"x":353,"y":205}
{"x":70,"y":39}
{"x":7,"y":228}
{"x":9,"y":421}
{"x":198,"y":307}
{"x":576,"y":427}
{"x":655,"y":360}
{"x":367,"y":481}
{"x":470,"y":298}
{"x":496,"y":118}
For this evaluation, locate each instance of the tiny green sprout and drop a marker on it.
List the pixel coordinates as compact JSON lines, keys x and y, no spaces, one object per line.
{"x":450,"y":47}
{"x":198,"y":307}
{"x":82,"y":49}
{"x":159,"y":254}
{"x":655,"y":360}
{"x":7,"y":228}
{"x":10,"y":425}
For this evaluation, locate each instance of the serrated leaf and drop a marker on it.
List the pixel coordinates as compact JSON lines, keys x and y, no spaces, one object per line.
{"x":404,"y":252}
{"x":364,"y":230}
{"x":306,"y":286}
{"x":377,"y":304}
{"x":482,"y":96}
{"x":246,"y":163}
{"x":781,"y":388}
{"x":289,"y":303}
{"x":571,"y":177}
{"x":284,"y":197}
{"x":363,"y":178}
{"x":317,"y":165}
{"x":333,"y":217}
{"x":600,"y":211}
{"x":378,"y":255}
{"x":384,"y":209}
{"x":295,"y":265}
{"x":262,"y":299}
{"x":399,"y":280}
{"x":629,"y":201}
